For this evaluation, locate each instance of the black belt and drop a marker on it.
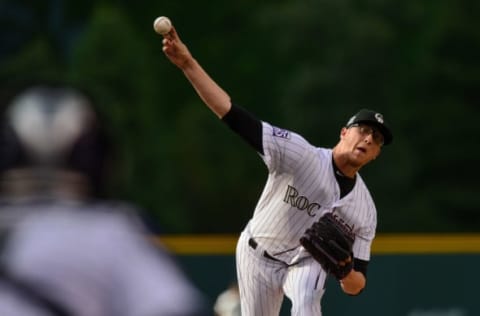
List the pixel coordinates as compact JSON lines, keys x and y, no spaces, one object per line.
{"x":253,"y":243}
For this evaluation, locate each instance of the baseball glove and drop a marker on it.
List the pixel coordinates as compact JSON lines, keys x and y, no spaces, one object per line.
{"x":330,"y":242}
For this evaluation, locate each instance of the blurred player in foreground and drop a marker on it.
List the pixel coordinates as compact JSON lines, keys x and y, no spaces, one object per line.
{"x":304,"y":183}
{"x":64,"y":251}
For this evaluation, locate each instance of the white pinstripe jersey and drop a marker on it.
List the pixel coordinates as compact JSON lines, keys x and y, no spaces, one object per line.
{"x":301,"y":186}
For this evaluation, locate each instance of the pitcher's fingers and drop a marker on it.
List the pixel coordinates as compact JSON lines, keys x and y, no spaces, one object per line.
{"x":172,"y":34}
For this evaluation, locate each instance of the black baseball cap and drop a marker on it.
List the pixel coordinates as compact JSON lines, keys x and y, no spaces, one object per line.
{"x":372,"y":118}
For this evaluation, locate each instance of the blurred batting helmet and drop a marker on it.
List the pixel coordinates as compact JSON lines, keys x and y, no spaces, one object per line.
{"x":52,"y":126}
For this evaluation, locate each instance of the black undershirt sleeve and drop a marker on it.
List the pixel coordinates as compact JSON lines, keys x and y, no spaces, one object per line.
{"x":360,"y":266}
{"x":246,"y":125}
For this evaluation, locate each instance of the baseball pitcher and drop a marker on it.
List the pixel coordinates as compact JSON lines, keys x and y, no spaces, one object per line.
{"x":315,"y":217}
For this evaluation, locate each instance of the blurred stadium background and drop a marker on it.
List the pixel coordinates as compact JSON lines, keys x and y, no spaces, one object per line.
{"x":304,"y":65}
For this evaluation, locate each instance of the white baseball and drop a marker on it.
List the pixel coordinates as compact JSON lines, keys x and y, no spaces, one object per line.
{"x":162,"y":25}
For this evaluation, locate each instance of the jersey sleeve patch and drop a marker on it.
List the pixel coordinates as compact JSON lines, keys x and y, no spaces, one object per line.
{"x":282,"y":133}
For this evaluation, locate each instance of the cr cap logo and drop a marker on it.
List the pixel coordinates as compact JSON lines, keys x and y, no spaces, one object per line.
{"x":379,"y":118}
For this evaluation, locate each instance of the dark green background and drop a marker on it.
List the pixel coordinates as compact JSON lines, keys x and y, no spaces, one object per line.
{"x":398,"y":285}
{"x":302,"y":65}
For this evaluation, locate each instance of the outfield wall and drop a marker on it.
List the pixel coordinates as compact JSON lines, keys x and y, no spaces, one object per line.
{"x":409,"y":274}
